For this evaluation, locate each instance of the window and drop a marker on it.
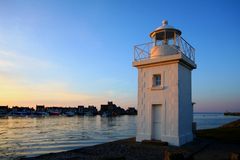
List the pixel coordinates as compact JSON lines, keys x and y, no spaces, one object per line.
{"x":156,"y":80}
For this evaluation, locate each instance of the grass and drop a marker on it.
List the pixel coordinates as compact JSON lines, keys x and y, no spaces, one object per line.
{"x":227,"y":133}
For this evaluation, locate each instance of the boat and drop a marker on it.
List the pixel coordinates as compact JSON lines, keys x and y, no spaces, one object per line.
{"x":89,"y":114}
{"x":41,"y":113}
{"x":70,"y":114}
{"x":107,"y":114}
{"x":54,"y":113}
{"x":20,"y":113}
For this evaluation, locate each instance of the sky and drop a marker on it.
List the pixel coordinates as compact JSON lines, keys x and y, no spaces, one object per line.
{"x":76,"y":52}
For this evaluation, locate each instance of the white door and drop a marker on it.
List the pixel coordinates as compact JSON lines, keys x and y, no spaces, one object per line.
{"x":156,"y":121}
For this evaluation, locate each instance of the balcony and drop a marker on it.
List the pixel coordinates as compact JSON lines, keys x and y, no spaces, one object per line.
{"x":143,"y":51}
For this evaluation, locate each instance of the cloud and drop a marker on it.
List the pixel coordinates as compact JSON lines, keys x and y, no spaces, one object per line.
{"x":50,"y":93}
{"x":14,"y":91}
{"x":4,"y":64}
{"x":14,"y":61}
{"x":19,"y":85}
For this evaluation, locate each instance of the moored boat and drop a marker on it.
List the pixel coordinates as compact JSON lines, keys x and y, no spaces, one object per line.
{"x":70,"y":114}
{"x":54,"y":113}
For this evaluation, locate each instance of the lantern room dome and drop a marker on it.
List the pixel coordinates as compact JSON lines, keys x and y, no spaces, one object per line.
{"x":158,"y":33}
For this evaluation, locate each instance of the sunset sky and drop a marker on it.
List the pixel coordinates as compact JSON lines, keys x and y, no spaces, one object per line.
{"x":75,"y":52}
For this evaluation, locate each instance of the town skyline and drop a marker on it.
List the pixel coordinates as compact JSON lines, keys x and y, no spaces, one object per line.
{"x":80,"y":53}
{"x":65,"y":106}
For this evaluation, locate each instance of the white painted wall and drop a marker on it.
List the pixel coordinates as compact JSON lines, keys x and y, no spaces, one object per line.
{"x":185,"y":104}
{"x":174,"y":96}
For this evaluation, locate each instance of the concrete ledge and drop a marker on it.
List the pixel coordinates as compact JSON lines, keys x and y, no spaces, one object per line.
{"x":178,"y":57}
{"x":178,"y":140}
{"x":155,"y":142}
{"x":183,"y":139}
{"x":172,"y":140}
{"x":141,"y":136}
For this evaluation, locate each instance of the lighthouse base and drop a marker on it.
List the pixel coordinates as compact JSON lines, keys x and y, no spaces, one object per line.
{"x":177,"y":140}
{"x":172,"y":140}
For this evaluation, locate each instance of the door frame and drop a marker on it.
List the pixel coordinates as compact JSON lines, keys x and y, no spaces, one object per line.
{"x":152,"y":120}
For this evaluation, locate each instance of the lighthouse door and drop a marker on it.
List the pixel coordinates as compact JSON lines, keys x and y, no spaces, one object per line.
{"x":156,"y":121}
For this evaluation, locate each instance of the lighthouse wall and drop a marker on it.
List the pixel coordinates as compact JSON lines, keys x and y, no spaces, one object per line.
{"x":166,"y":96}
{"x":185,"y":104}
{"x":174,"y":99}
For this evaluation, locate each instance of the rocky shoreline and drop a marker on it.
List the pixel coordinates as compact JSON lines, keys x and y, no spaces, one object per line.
{"x":217,"y":143}
{"x":232,"y":113}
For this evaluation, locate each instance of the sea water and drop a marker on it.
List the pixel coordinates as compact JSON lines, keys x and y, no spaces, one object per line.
{"x":32,"y":136}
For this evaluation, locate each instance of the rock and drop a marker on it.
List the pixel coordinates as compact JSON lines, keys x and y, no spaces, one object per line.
{"x":173,"y":155}
{"x":234,"y":156}
{"x":234,"y":124}
{"x":113,"y":158}
{"x":155,"y":142}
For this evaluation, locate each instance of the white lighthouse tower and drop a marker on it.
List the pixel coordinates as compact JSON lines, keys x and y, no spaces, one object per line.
{"x":164,"y":87}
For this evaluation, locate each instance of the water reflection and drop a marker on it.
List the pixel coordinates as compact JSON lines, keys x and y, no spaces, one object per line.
{"x":33,"y":136}
{"x":212,"y":120}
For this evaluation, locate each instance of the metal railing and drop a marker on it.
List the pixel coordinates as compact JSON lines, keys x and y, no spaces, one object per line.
{"x":143,"y":51}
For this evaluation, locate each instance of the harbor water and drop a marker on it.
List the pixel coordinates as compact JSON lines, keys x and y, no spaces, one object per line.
{"x":32,"y":136}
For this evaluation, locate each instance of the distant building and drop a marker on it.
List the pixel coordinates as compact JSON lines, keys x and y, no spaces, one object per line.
{"x":107,"y":107}
{"x":90,"y":111}
{"x":80,"y":110}
{"x":21,"y":111}
{"x":3,"y":110}
{"x":131,"y":111}
{"x":111,"y":109}
{"x":40,"y":108}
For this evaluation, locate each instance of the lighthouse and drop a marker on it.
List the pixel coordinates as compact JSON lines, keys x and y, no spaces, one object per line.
{"x":164,"y":66}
